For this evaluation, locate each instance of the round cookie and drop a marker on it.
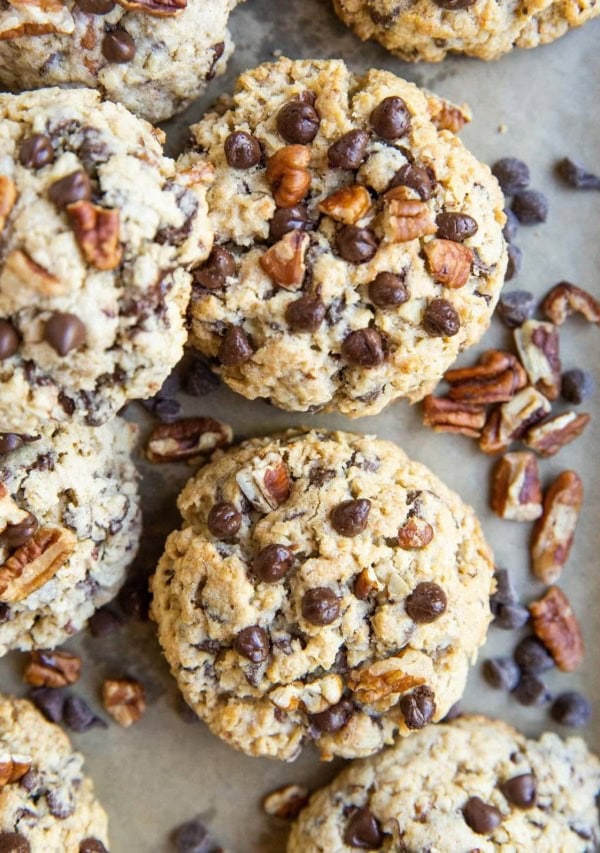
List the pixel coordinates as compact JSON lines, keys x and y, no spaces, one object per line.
{"x":47,"y":805}
{"x":473,"y":784}
{"x":359,"y":247}
{"x":432,"y":29}
{"x":69,"y":527}
{"x":97,"y":230}
{"x":323,"y":587}
{"x":154,"y":57}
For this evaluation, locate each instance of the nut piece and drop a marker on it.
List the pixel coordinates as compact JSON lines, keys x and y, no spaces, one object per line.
{"x":565,"y":299}
{"x":31,"y":18}
{"x":381,"y":683}
{"x":35,"y":563}
{"x":557,"y":627}
{"x":365,"y":584}
{"x":288,"y":175}
{"x":8,"y":196}
{"x":448,"y":116}
{"x":124,"y":699}
{"x":538,"y":346}
{"x":265,"y":483}
{"x":284,"y":262}
{"x":495,"y":379}
{"x":347,"y":205}
{"x":47,"y":668}
{"x":20,"y":272}
{"x":286,"y":802}
{"x":444,"y":415}
{"x":510,"y":421}
{"x":156,"y":8}
{"x":449,"y":262}
{"x":404,"y":218}
{"x":13,"y":767}
{"x":188,"y":438}
{"x":415,"y":534}
{"x":548,"y":437}
{"x":10,"y":512}
{"x":554,"y":533}
{"x":97,"y":234}
{"x":314,"y":698}
{"x":516,"y":489}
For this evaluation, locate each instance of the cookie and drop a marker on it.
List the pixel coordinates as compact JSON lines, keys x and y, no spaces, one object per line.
{"x":325,"y":588}
{"x":47,"y":805}
{"x":153,"y":56}
{"x":97,"y":230}
{"x":432,"y":29}
{"x":358,"y":248}
{"x":473,"y":784}
{"x":69,"y":527}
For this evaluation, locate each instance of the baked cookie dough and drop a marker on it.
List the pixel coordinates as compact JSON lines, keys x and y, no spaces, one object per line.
{"x":358,"y":248}
{"x":47,"y":805}
{"x":69,"y":527}
{"x":325,"y":588}
{"x":97,"y":230}
{"x":431,"y":29}
{"x":153,"y":56}
{"x":471,"y":785}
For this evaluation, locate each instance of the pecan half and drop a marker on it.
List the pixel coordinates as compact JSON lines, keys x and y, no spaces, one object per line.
{"x":565,"y":299}
{"x":35,"y":563}
{"x":538,"y":346}
{"x":415,"y":534}
{"x":13,"y":767}
{"x":554,"y":533}
{"x":444,"y":415}
{"x":157,"y":8}
{"x":449,"y":262}
{"x":406,"y":219}
{"x":286,"y":802}
{"x":186,"y":439}
{"x":347,"y":205}
{"x":556,"y":625}
{"x":510,"y":421}
{"x":288,"y":175}
{"x":34,"y":18}
{"x":47,"y":668}
{"x":495,"y":379}
{"x":266,"y":482}
{"x":548,"y":437}
{"x":97,"y":233}
{"x":8,"y":196}
{"x":516,"y":488}
{"x":382,"y":680}
{"x":124,"y":699}
{"x":21,"y":273}
{"x":284,"y":262}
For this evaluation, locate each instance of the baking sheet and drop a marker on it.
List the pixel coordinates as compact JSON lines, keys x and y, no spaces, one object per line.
{"x":538,"y":105}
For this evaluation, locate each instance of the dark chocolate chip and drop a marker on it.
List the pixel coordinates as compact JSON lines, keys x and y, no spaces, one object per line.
{"x":104,"y":622}
{"x":9,"y":442}
{"x":165,"y":409}
{"x":455,"y":226}
{"x":64,"y":332}
{"x":215,"y":271}
{"x":350,"y":518}
{"x":510,"y":617}
{"x":533,"y":657}
{"x":58,"y":806}
{"x":387,"y":290}
{"x":512,"y":175}
{"x":530,"y":207}
{"x":15,"y":535}
{"x":356,"y":245}
{"x":576,"y":175}
{"x":363,"y":348}
{"x":571,"y":709}
{"x":363,"y":830}
{"x":9,"y":340}
{"x":298,"y":122}
{"x":440,"y":320}
{"x":481,"y":817}
{"x":349,"y":151}
{"x":454,"y":5}
{"x":320,"y":606}
{"x":418,"y":178}
{"x":511,"y":226}
{"x":218,"y":50}
{"x":515,"y":261}
{"x":334,"y":718}
{"x":198,"y":378}
{"x":71,"y":188}
{"x":235,"y":347}
{"x":391,"y":118}
{"x":501,"y":673}
{"x":96,"y":7}
{"x":134,"y":599}
{"x":305,"y":314}
{"x":273,"y":563}
{"x":242,"y":150}
{"x":516,"y":307}
{"x":50,"y":701}
{"x":426,"y":603}
{"x":418,"y":707}
{"x":13,"y":842}
{"x":504,"y":592}
{"x":224,"y":520}
{"x":4,"y":612}
{"x":193,"y":837}
{"x":79,"y":717}
{"x":577,"y":385}
{"x":253,"y":644}
{"x":521,"y":791}
{"x":286,"y":219}
{"x":36,"y":151}
{"x":118,"y":46}
{"x":530,"y":691}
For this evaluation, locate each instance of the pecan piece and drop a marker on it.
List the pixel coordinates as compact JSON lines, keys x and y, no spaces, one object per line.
{"x":554,"y":533}
{"x":13,"y":767}
{"x":448,"y":116}
{"x":265,"y":483}
{"x":347,"y":205}
{"x":510,"y":421}
{"x":449,"y":262}
{"x":381,"y":682}
{"x":22,"y":273}
{"x":124,"y":699}
{"x":187,"y":439}
{"x":555,"y":623}
{"x":565,"y":299}
{"x":35,"y":18}
{"x":35,"y":563}
{"x":284,"y":262}
{"x":516,"y":488}
{"x":404,"y":218}
{"x":8,"y":196}
{"x":156,"y":8}
{"x":444,"y":415}
{"x":286,"y":802}
{"x":365,"y":584}
{"x":538,"y":346}
{"x":548,"y":437}
{"x":288,"y":175}
{"x":97,"y":233}
{"x":495,"y":379}
{"x":47,"y":668}
{"x":10,"y":513}
{"x":415,"y":534}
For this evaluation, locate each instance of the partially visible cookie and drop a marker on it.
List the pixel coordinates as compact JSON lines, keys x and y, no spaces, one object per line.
{"x":473,"y":784}
{"x":323,"y":588}
{"x":47,"y":805}
{"x":69,"y":527}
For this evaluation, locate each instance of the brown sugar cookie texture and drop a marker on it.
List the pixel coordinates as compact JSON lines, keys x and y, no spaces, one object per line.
{"x":97,"y":231}
{"x":358,"y":247}
{"x":323,"y":588}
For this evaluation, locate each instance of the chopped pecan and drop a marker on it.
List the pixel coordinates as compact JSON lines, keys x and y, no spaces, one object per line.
{"x":8,"y":196}
{"x":516,"y":488}
{"x":47,"y":668}
{"x":449,"y":262}
{"x":565,"y":299}
{"x":415,"y":534}
{"x":406,"y":219}
{"x":10,"y":512}
{"x":444,"y":415}
{"x":266,"y":482}
{"x":124,"y":699}
{"x":381,"y":680}
{"x":511,"y":420}
{"x":35,"y":18}
{"x":554,"y":533}
{"x":35,"y":563}
{"x":286,"y":802}
{"x":288,"y":175}
{"x":284,"y":262}
{"x":202,"y":173}
{"x":97,"y":233}
{"x":448,"y":116}
{"x":347,"y":205}
{"x":186,"y":439}
{"x":22,"y":273}
{"x":495,"y":379}
{"x":556,"y":625}
{"x":157,"y":8}
{"x":538,"y":346}
{"x":548,"y":437}
{"x":365,"y":584}
{"x":13,"y":767}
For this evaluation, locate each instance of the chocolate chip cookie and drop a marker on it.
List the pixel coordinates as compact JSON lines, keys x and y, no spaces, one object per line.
{"x":47,"y":805}
{"x":431,"y":29}
{"x":358,"y":248}
{"x":473,"y":784}
{"x":323,"y":588}
{"x":69,"y":527}
{"x":97,"y":230}
{"x":154,"y":56}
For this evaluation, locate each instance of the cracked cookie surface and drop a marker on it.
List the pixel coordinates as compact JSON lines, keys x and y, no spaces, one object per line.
{"x":323,"y":587}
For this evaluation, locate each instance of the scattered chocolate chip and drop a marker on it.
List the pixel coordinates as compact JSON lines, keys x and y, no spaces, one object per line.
{"x":198,"y":378}
{"x":50,"y":701}
{"x":516,"y":307}
{"x":426,"y":603}
{"x":193,"y":837}
{"x":215,"y":271}
{"x":253,"y":643}
{"x":576,"y":175}
{"x":165,"y":409}
{"x":387,"y":290}
{"x":9,"y":340}
{"x":334,"y":718}
{"x":96,"y":7}
{"x":298,"y":122}
{"x":363,"y":830}
{"x":224,"y":520}
{"x":530,"y":207}
{"x":510,"y":617}
{"x":320,"y":606}
{"x":349,"y":151}
{"x":15,"y":535}
{"x":533,"y":657}
{"x":356,"y":245}
{"x":305,"y":314}
{"x":571,"y":709}
{"x":504,"y":592}
{"x":9,"y":442}
{"x":531,"y":692}
{"x":520,"y":791}
{"x":79,"y":717}
{"x":577,"y":385}
{"x":235,"y":347}
{"x":440,"y":319}
{"x":36,"y":152}
{"x":103,"y":622}
{"x":455,"y":226}
{"x":363,"y":348}
{"x":286,"y":219}
{"x":92,"y":845}
{"x":391,"y":118}
{"x":418,"y":178}
{"x":118,"y":46}
{"x":501,"y":673}
{"x":134,"y":599}
{"x":515,"y":260}
{"x":511,"y":174}
{"x":13,"y":842}
{"x":418,"y":707}
{"x":64,"y":332}
{"x":71,"y":188}
{"x":511,"y":226}
{"x":350,"y":518}
{"x":242,"y":150}
{"x":481,"y":817}
{"x":273,"y":563}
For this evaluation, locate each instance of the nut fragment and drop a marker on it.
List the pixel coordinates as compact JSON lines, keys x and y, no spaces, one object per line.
{"x":286,"y":802}
{"x":21,"y":273}
{"x":347,"y":205}
{"x":444,"y":415}
{"x":10,"y":512}
{"x":47,"y":668}
{"x":495,"y":379}
{"x":187,"y":439}
{"x":446,"y":115}
{"x":406,"y":219}
{"x":554,"y":533}
{"x":265,"y":483}
{"x":288,"y":174}
{"x":284,"y":262}
{"x":516,"y":489}
{"x":565,"y":299}
{"x":12,"y":767}
{"x":415,"y":534}
{"x":381,"y":682}
{"x":555,"y":623}
{"x":548,"y":437}
{"x":314,"y":697}
{"x":365,"y":584}
{"x":449,"y":262}
{"x":538,"y":346}
{"x":156,"y":8}
{"x":510,"y":421}
{"x":27,"y":18}
{"x":97,"y":233}
{"x":124,"y":699}
{"x":8,"y":196}
{"x":35,"y":563}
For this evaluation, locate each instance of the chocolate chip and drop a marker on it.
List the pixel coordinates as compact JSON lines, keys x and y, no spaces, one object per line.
{"x":511,"y":226}
{"x":520,"y":791}
{"x":298,"y":122}
{"x":440,"y":319}
{"x":571,"y":709}
{"x":576,"y":175}
{"x":13,"y":842}
{"x":391,"y":118}
{"x":36,"y":151}
{"x":320,"y":606}
{"x":64,"y":332}
{"x":512,"y":175}
{"x":577,"y":385}
{"x":387,"y":290}
{"x":118,"y":46}
{"x":103,"y":622}
{"x":530,"y":207}
{"x":165,"y":409}
{"x":349,"y":151}
{"x":418,"y":178}
{"x":350,"y":518}
{"x":4,"y":613}
{"x":224,"y":520}
{"x":532,"y":656}
{"x":516,"y":307}
{"x":531,"y":692}
{"x":59,"y":805}
{"x":96,"y":7}
{"x":273,"y":563}
{"x":9,"y":340}
{"x":242,"y":150}
{"x":235,"y":347}
{"x":426,"y":603}
{"x":502,"y":673}
{"x":504,"y":592}
{"x":71,"y":188}
{"x":334,"y":718}
{"x":193,"y":837}
{"x":286,"y":219}
{"x":15,"y":535}
{"x":198,"y":378}
{"x":481,"y":817}
{"x":9,"y":442}
{"x":134,"y":599}
{"x":418,"y":707}
{"x":253,"y":643}
{"x":356,"y":245}
{"x":305,"y":314}
{"x":215,"y":271}
{"x":363,"y":830}
{"x":455,"y":226}
{"x":218,"y":50}
{"x":454,"y":5}
{"x":515,"y":261}
{"x":363,"y":348}
{"x":50,"y":701}
{"x":79,"y":717}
